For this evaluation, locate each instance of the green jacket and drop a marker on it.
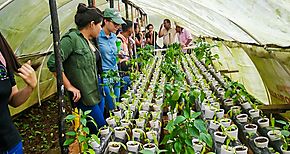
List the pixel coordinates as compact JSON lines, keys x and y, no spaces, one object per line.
{"x":79,"y":66}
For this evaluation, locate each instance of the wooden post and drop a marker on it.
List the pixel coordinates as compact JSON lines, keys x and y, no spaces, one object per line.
{"x":60,"y":86}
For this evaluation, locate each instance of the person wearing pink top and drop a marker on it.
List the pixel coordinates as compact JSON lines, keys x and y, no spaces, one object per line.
{"x":184,"y":36}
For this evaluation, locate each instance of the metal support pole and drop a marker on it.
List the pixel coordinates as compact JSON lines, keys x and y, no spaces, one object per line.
{"x":126,"y":9}
{"x":60,"y":86}
{"x":132,"y":13}
{"x":111,"y":3}
{"x":90,"y":3}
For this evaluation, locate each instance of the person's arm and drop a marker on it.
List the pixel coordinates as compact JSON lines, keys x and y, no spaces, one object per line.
{"x":66,"y":50}
{"x":189,"y":37}
{"x":161,"y":31}
{"x":27,"y":73}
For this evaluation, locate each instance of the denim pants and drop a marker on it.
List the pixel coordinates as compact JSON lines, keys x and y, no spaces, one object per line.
{"x":116,"y":88}
{"x":126,"y":84}
{"x":17,"y":149}
{"x":97,"y":111}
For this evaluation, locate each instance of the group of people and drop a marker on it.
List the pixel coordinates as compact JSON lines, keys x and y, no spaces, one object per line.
{"x":100,"y":44}
{"x":168,"y":34}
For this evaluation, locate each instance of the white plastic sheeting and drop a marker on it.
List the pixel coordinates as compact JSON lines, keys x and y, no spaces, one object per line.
{"x":252,"y":21}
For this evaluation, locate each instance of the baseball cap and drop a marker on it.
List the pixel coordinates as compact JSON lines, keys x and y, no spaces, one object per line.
{"x":114,"y":15}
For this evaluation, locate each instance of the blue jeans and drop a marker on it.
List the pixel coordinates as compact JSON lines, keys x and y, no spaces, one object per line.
{"x":97,"y":111}
{"x":108,"y":98}
{"x":126,"y":84}
{"x":17,"y":149}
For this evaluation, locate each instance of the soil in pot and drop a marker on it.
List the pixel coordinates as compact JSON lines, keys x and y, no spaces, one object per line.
{"x":220,"y":134}
{"x":241,"y":149}
{"x":149,"y":146}
{"x":261,"y":140}
{"x":250,"y":126}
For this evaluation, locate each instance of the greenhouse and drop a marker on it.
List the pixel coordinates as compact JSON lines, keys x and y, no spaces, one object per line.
{"x":136,"y":76}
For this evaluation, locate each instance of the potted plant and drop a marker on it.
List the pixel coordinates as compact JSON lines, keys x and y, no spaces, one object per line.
{"x":241,"y":149}
{"x":105,"y":130}
{"x":254,"y":113}
{"x":150,"y":147}
{"x":226,"y":122}
{"x":220,"y":113}
{"x":232,"y":131}
{"x":198,"y":145}
{"x":214,"y":124}
{"x":120,"y":132}
{"x":133,"y":146}
{"x":285,"y":136}
{"x":140,"y":122}
{"x":243,"y":118}
{"x":274,"y":134}
{"x":261,"y":142}
{"x":115,"y":146}
{"x":226,"y":149}
{"x":263,"y":122}
{"x":219,"y":137}
{"x":251,"y":128}
{"x":138,"y":133}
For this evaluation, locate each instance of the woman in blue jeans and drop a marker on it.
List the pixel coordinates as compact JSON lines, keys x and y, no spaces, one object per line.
{"x":80,"y":73}
{"x":108,"y":49}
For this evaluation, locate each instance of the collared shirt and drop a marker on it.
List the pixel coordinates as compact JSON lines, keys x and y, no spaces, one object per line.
{"x":169,"y":36}
{"x":79,"y":66}
{"x":183,"y":36}
{"x":108,"y":49}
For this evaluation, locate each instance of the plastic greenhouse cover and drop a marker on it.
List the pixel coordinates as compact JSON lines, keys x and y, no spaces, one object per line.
{"x":268,"y":21}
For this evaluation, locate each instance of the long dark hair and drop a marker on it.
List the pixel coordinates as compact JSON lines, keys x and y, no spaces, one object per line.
{"x":86,"y":15}
{"x":7,"y":52}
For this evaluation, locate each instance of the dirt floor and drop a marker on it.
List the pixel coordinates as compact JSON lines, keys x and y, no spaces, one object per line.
{"x":38,"y":127}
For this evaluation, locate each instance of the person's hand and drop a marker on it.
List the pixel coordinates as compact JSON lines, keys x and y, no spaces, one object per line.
{"x":161,"y":26}
{"x":76,"y":93}
{"x":183,"y":46}
{"x":27,"y":73}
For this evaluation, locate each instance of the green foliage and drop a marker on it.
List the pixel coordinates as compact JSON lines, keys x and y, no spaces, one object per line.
{"x":82,"y":133}
{"x":203,"y":52}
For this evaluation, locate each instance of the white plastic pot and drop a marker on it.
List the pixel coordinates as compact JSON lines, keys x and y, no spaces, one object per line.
{"x":236,"y":109}
{"x":254,"y":113}
{"x":224,"y":150}
{"x":226,"y":122}
{"x":213,"y":125}
{"x":104,"y":131}
{"x":274,"y":135}
{"x":121,"y":134}
{"x":111,"y":122}
{"x":125,"y":123}
{"x":137,"y":133}
{"x":220,"y":113}
{"x":118,"y":113}
{"x":150,"y":146}
{"x":261,"y":142}
{"x":209,"y":112}
{"x":219,"y":137}
{"x":242,"y":118}
{"x":285,"y":151}
{"x":233,"y":133}
{"x":228,"y":102}
{"x":150,"y":135}
{"x":114,"y":149}
{"x":146,"y":106}
{"x":197,"y":146}
{"x":133,"y":146}
{"x":246,"y":105}
{"x":241,"y":149}
{"x":251,"y":128}
{"x":143,"y":113}
{"x":154,"y":124}
{"x":263,"y":122}
{"x":140,"y":123}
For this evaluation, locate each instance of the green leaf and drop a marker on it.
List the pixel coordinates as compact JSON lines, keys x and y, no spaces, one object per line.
{"x":146,"y":151}
{"x":84,"y":121}
{"x":177,"y":147}
{"x":86,"y":130}
{"x":200,"y":125}
{"x":95,"y":137}
{"x":186,"y":114}
{"x":70,"y":117}
{"x":68,"y":141}
{"x":188,"y":142}
{"x":175,"y":95}
{"x":179,"y":119}
{"x":71,"y":133}
{"x":206,"y":138}
{"x":193,"y":132}
{"x":165,"y":139}
{"x":194,"y":115}
{"x":91,"y":151}
{"x":81,"y":138}
{"x":281,"y":122}
{"x":285,"y":133}
{"x":88,"y":112}
{"x":170,"y":126}
{"x":189,"y":150}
